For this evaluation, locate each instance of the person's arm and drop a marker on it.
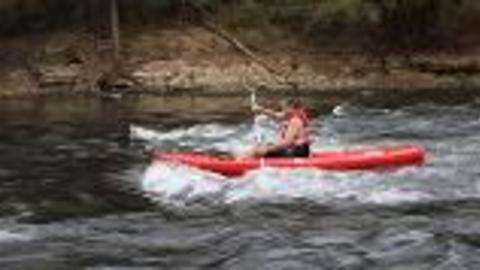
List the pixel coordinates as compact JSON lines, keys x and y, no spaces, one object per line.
{"x":269,"y":112}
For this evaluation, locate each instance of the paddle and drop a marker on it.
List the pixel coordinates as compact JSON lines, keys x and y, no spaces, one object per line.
{"x":256,"y":118}
{"x":253,"y":103}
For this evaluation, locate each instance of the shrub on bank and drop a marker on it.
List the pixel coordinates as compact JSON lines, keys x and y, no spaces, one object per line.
{"x":395,"y":24}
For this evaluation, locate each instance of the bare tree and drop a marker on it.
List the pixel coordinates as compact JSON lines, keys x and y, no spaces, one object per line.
{"x":115,"y":28}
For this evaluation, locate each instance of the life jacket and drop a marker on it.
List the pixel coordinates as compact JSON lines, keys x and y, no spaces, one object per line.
{"x":303,"y":115}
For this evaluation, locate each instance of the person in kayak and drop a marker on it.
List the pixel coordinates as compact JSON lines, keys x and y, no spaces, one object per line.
{"x":295,"y":131}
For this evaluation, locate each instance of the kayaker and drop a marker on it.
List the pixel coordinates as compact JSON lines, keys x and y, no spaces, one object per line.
{"x":295,"y":131}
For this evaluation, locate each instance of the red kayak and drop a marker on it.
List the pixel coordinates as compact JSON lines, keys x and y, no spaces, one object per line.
{"x":363,"y":159}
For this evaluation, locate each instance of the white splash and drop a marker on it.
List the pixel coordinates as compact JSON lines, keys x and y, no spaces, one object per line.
{"x":396,"y":197}
{"x":177,"y":184}
{"x":7,"y":236}
{"x":180,"y":184}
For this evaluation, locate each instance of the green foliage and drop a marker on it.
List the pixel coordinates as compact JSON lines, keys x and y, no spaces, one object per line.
{"x":146,"y":12}
{"x":416,"y":24}
{"x":346,"y":9}
{"x":40,"y":15}
{"x":400,"y":23}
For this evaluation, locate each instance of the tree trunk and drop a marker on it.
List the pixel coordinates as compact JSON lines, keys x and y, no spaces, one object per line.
{"x":115,"y":30}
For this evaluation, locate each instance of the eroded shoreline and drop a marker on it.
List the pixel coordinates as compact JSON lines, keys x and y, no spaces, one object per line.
{"x":194,"y":61}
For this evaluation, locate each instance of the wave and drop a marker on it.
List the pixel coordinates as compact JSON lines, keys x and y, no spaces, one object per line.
{"x":348,"y":128}
{"x":183,"y":186}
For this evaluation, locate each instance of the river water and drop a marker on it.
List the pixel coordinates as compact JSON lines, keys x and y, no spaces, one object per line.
{"x":78,"y":189}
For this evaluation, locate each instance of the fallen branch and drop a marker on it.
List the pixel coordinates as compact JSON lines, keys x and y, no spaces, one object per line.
{"x":247,"y":52}
{"x":212,"y":27}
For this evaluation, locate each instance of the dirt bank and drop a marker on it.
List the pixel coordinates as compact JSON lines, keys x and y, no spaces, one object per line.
{"x":195,"y":60}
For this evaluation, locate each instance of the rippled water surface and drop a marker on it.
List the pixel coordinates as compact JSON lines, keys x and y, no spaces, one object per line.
{"x":78,"y":189}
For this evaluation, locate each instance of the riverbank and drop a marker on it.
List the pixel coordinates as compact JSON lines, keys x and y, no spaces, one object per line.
{"x":196,"y":61}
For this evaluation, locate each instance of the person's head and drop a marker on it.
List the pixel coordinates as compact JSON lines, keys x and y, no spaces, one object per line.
{"x":293,"y":106}
{"x":290,"y":103}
